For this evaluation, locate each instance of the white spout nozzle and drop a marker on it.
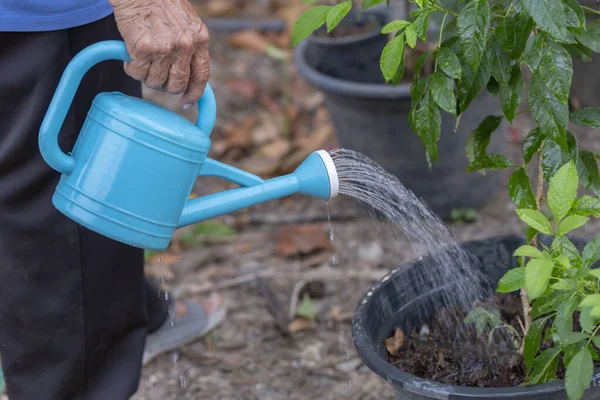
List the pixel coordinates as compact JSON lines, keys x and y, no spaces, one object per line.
{"x":334,"y":183}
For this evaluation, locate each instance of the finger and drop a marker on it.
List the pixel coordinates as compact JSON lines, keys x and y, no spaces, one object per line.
{"x":199,"y":74}
{"x":179,"y":73}
{"x":137,"y":69}
{"x":158,"y":73}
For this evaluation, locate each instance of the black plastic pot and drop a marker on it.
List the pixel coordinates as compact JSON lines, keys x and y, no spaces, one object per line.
{"x":372,"y":118}
{"x":351,"y":57}
{"x":394,"y":301}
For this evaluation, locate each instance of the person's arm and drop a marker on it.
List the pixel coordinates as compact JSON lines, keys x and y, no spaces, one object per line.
{"x":168,"y":46}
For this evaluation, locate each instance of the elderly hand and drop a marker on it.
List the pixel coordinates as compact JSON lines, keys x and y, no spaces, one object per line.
{"x":168,"y":46}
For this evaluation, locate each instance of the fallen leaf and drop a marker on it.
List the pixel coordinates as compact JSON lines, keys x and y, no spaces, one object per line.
{"x":276,"y":150}
{"x":303,"y":240}
{"x":244,"y":87}
{"x":304,"y":146}
{"x":299,"y":324}
{"x":239,"y":135}
{"x":394,"y":343}
{"x":260,"y":166}
{"x":307,"y":308}
{"x":267,"y":128}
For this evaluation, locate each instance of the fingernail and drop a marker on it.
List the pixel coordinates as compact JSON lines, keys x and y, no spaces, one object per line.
{"x":187,"y":106}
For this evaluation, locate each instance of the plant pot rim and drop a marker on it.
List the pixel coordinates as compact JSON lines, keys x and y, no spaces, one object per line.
{"x":344,"y":87}
{"x":424,"y":387}
{"x":343,"y":40}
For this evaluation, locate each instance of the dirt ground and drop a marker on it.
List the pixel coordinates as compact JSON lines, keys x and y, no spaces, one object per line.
{"x":264,"y":259}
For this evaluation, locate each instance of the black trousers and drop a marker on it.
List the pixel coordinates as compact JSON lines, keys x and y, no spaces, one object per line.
{"x":75,"y":308}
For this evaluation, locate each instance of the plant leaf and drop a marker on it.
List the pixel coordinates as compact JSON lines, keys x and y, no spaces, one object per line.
{"x":586,"y":320}
{"x":563,"y":190}
{"x":591,"y":300}
{"x":544,"y":368}
{"x":571,"y":223}
{"x":371,"y":3}
{"x":442,"y":90}
{"x":536,"y":220}
{"x":411,"y":36}
{"x":519,"y":188}
{"x":479,"y":139}
{"x":575,"y":11}
{"x":528,"y":251}
{"x":537,"y":275}
{"x":563,"y":323}
{"x":551,"y":115}
{"x":449,"y":63}
{"x":547,"y":303}
{"x":473,"y":26}
{"x":428,"y":123}
{"x":532,"y":144}
{"x":307,"y":308}
{"x":308,"y":22}
{"x":394,"y":26}
{"x":591,"y":252}
{"x":513,"y":32}
{"x":472,"y":82}
{"x":532,"y":342}
{"x":579,"y":373}
{"x":337,"y":13}
{"x":587,"y":168}
{"x":514,"y":279}
{"x":590,"y":38}
{"x":563,"y":245}
{"x":510,"y":96}
{"x":421,"y":21}
{"x":555,"y":157}
{"x":490,"y":161}
{"x":550,"y":16}
{"x":556,"y":69}
{"x":586,"y":116}
{"x":500,"y":62}
{"x":391,"y":57}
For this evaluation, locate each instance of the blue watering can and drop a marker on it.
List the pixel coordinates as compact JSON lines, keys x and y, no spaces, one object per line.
{"x":134,"y":164}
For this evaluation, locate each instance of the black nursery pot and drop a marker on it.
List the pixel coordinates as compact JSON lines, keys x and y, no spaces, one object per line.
{"x":372,"y":118}
{"x":394,"y":301}
{"x":354,"y":56}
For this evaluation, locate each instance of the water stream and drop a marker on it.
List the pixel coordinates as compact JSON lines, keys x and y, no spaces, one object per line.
{"x":387,"y":199}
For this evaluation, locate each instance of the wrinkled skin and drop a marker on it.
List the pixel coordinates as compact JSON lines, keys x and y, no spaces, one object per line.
{"x":168,"y":46}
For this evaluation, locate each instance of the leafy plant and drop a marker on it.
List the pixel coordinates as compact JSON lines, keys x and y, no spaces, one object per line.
{"x":487,"y":45}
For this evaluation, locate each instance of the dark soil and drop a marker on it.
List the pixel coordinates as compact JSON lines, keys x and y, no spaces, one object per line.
{"x":442,"y":356}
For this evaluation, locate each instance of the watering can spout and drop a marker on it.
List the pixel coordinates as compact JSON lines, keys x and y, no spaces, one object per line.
{"x":316,"y":176}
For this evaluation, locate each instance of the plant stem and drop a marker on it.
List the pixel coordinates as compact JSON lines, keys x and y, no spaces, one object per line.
{"x":593,"y":334}
{"x":521,"y":112}
{"x":590,"y":9}
{"x":440,"y":40}
{"x":534,"y":243}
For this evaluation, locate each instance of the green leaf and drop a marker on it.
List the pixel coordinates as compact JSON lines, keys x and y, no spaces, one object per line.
{"x":308,"y":22}
{"x":514,"y":279}
{"x":411,"y":36}
{"x":590,"y":301}
{"x":587,"y":168}
{"x":556,"y":68}
{"x":544,"y":368}
{"x":532,"y":342}
{"x":421,"y":21}
{"x":417,"y":90}
{"x":479,"y":139}
{"x":555,"y":157}
{"x":534,"y":51}
{"x":473,"y":25}
{"x":537,"y":276}
{"x":513,"y":32}
{"x":571,"y":223}
{"x":586,"y":116}
{"x":547,"y":303}
{"x":596,"y":340}
{"x":419,"y":65}
{"x":576,"y":13}
{"x":551,"y":115}
{"x":307,"y":308}
{"x":337,"y":13}
{"x":532,"y":144}
{"x":579,"y":374}
{"x":579,"y":51}
{"x":528,"y":251}
{"x":550,"y":16}
{"x":371,"y":3}
{"x":490,"y":161}
{"x":391,"y":57}
{"x":510,"y":96}
{"x":563,"y":190}
{"x":565,"y":284}
{"x":563,"y":245}
{"x":394,"y":26}
{"x":595,"y":273}
{"x":591,"y":37}
{"x":428,"y":123}
{"x":472,"y":82}
{"x":586,"y":320}
{"x":519,"y":188}
{"x":591,"y":252}
{"x":563,"y":323}
{"x":536,"y":220}
{"x":441,"y":89}
{"x":500,"y":62}
{"x":449,"y":63}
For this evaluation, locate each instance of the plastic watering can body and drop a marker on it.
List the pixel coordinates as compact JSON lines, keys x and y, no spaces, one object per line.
{"x":133,"y":167}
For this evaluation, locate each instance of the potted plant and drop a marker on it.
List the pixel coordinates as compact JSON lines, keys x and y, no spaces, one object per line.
{"x":540,"y":341}
{"x":375,"y":118}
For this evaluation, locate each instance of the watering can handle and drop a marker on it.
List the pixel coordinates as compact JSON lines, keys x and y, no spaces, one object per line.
{"x":65,"y":92}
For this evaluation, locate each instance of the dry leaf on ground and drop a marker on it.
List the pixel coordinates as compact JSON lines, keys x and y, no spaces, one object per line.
{"x":394,"y":343}
{"x":302,"y":240}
